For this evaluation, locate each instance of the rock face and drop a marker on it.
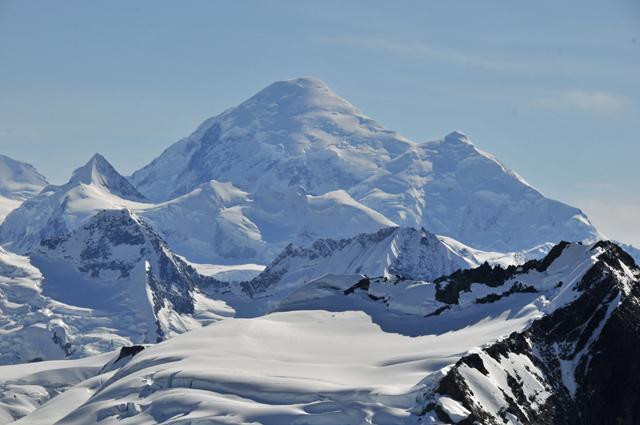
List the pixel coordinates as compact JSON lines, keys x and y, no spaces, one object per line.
{"x":577,"y":365}
{"x":111,"y":282}
{"x":631,"y":250}
{"x":123,"y":265}
{"x":298,"y":136}
{"x":19,"y":181}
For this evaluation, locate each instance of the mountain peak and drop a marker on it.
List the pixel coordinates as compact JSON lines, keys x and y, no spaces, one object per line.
{"x":92,"y":171}
{"x":97,"y":158}
{"x":296,"y":97}
{"x":19,"y":180}
{"x":98,"y":171}
{"x":302,"y":85}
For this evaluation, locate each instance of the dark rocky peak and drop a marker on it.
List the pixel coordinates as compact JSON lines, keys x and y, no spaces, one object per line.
{"x":577,"y":365}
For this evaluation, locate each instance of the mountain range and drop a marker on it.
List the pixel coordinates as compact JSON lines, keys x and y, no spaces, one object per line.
{"x":298,"y":136}
{"x":293,"y":261}
{"x":550,"y":341}
{"x":296,"y":163}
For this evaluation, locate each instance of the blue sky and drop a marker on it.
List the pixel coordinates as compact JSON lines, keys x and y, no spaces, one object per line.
{"x":550,"y":88}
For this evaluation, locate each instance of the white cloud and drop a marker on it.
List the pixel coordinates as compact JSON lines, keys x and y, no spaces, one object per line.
{"x":422,"y":50}
{"x":525,"y":64}
{"x":596,"y":102}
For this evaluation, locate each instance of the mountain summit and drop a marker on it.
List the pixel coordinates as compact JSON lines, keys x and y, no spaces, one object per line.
{"x":18,"y":181}
{"x":293,"y":134}
{"x":99,"y":172}
{"x":298,"y":136}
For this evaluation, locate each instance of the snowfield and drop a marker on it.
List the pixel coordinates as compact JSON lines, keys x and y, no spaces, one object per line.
{"x":281,"y":368}
{"x":310,"y":365}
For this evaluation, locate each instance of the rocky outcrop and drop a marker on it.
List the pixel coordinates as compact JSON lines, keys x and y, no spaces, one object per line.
{"x":577,"y":365}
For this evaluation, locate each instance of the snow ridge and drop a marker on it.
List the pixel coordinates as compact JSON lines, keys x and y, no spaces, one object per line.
{"x":407,"y":252}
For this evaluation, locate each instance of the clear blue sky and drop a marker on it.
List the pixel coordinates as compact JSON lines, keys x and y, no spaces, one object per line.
{"x":552,"y":88}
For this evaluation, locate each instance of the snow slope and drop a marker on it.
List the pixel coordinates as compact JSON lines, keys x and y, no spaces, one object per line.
{"x":293,"y":367}
{"x":219,"y":223}
{"x":452,"y":302}
{"x":298,"y":136}
{"x":18,"y":181}
{"x":228,"y":273}
{"x":27,"y":387}
{"x":322,"y":367}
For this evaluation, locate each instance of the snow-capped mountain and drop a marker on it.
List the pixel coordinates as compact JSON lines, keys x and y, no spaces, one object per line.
{"x":294,"y":133}
{"x":559,"y":335}
{"x":298,"y":136}
{"x":58,"y":210}
{"x":453,"y":301}
{"x":478,"y":317}
{"x":577,"y":365}
{"x":390,"y":252}
{"x":109,"y":283}
{"x":19,"y":181}
{"x":296,"y":163}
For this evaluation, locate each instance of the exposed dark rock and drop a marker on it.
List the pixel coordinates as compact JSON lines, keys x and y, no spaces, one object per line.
{"x":597,"y":337}
{"x":362,"y":284}
{"x":448,"y":288}
{"x":129,"y":351}
{"x":515,"y":288}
